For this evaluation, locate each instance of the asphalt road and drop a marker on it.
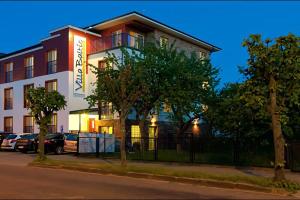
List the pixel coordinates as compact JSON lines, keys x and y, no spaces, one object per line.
{"x":18,"y":181}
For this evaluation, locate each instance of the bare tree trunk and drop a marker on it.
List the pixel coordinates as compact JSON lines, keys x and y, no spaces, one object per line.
{"x":123,"y":140}
{"x":277,"y":133}
{"x":43,"y":131}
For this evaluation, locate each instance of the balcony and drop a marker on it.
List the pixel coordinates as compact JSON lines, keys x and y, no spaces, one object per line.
{"x":117,"y":41}
{"x":28,"y":129}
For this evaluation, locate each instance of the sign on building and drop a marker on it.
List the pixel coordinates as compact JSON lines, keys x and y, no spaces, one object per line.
{"x":79,"y":65}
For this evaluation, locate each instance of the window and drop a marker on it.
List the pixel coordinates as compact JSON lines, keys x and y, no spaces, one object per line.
{"x":135,"y":134}
{"x":106,"y":129}
{"x":26,"y":101}
{"x":136,"y":40}
{"x":163,"y":41}
{"x":52,"y":126}
{"x":52,"y":61}
{"x":117,"y":38}
{"x":28,"y":67}
{"x":202,"y":55}
{"x":8,"y":124}
{"x":8,"y":99}
{"x":102,"y":64}
{"x":51,"y":85}
{"x":106,"y":111}
{"x":8,"y":72}
{"x":167,"y":107}
{"x":28,"y":124}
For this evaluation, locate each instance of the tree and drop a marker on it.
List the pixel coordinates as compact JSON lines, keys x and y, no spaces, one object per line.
{"x":152,"y":74}
{"x":118,"y":83}
{"x":272,"y":85}
{"x":42,"y":105}
{"x":191,"y":81}
{"x":228,"y":115}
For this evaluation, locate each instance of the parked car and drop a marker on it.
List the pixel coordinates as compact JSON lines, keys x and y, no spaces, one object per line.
{"x":54,"y":142}
{"x":27,"y":143}
{"x":9,"y":143}
{"x":3,"y":135}
{"x":70,"y":142}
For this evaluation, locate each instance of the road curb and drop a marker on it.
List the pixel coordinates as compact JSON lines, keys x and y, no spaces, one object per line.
{"x":203,"y":182}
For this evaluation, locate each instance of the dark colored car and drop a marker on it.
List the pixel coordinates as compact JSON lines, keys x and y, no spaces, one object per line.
{"x":3,"y":135}
{"x":54,"y":142}
{"x":27,"y":143}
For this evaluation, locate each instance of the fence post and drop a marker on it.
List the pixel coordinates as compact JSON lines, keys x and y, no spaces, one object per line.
{"x":155,"y":149}
{"x":97,"y":146}
{"x":77,"y":146}
{"x":192,"y":148}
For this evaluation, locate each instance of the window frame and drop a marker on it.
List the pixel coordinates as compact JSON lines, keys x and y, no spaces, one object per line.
{"x":29,"y":66}
{"x":51,"y":63}
{"x":12,"y":99}
{"x":12,"y":124}
{"x":26,"y":103}
{"x":9,"y":73}
{"x":51,"y":81}
{"x":32,"y":127}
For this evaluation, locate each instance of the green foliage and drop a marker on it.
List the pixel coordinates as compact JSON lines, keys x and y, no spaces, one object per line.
{"x":43,"y":104}
{"x":188,"y":85}
{"x":279,"y":59}
{"x":118,"y":83}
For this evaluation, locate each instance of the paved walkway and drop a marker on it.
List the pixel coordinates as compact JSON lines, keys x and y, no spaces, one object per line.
{"x":212,"y":169}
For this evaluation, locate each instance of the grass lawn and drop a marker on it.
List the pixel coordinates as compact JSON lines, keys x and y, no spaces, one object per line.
{"x":116,"y":168}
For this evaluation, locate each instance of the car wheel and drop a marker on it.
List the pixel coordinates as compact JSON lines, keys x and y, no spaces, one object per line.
{"x":59,"y":150}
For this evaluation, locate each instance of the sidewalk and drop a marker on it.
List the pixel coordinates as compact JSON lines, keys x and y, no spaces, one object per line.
{"x":210,"y":169}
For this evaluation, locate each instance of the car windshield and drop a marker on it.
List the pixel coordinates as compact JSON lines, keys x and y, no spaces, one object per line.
{"x":11,"y":136}
{"x":29,"y":136}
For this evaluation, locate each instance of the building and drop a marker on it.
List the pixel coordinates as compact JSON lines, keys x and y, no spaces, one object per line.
{"x":59,"y":62}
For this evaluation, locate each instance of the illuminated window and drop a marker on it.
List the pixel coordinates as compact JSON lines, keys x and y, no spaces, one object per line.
{"x":167,"y":107}
{"x":9,"y":67}
{"x":52,"y":61}
{"x":151,"y":138}
{"x":106,"y":129}
{"x":28,"y":67}
{"x":26,"y":88}
{"x":135,"y":134}
{"x":51,"y":85}
{"x":28,"y":124}
{"x":163,"y":41}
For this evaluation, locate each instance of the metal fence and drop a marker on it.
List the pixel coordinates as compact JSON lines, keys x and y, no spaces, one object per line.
{"x":189,"y":148}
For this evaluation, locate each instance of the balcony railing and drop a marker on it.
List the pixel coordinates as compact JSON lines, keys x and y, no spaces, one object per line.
{"x":29,"y":72}
{"x":8,"y":129}
{"x":8,"y":76}
{"x":117,"y":40}
{"x":28,"y":129}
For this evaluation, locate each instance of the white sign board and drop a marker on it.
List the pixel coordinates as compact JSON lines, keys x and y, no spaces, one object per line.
{"x":79,"y":65}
